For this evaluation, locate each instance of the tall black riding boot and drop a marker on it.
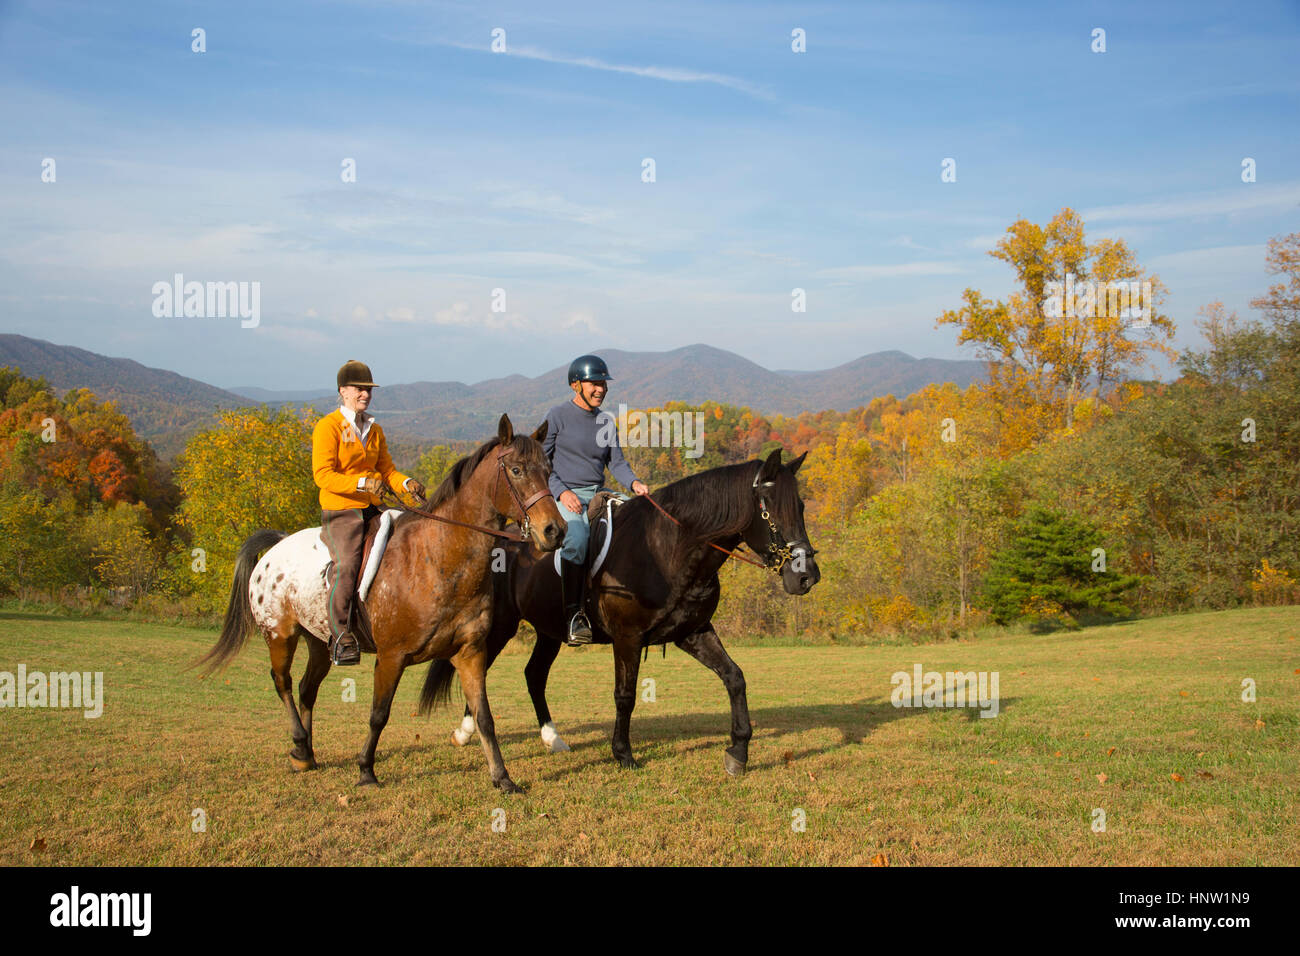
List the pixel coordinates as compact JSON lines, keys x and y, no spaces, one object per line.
{"x":573,"y":590}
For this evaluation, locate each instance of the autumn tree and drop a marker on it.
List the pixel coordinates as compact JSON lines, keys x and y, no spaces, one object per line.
{"x":837,"y":475}
{"x":253,"y":470}
{"x":1071,"y":320}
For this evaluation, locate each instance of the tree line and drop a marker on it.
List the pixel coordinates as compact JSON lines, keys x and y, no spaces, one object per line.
{"x":1061,"y":490}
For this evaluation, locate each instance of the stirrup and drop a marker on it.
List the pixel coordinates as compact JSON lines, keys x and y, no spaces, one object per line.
{"x":579,"y":630}
{"x":344,"y":653}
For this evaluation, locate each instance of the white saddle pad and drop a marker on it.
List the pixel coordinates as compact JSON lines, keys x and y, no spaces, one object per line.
{"x":377,"y":551}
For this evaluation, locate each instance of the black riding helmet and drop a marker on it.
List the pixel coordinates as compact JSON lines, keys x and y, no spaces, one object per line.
{"x":589,"y":368}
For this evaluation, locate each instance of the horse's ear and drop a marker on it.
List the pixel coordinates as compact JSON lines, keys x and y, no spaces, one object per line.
{"x":770,"y":467}
{"x":540,"y":434}
{"x":505,"y":431}
{"x":794,"y":465}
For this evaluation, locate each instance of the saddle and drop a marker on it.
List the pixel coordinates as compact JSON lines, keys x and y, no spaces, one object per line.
{"x":600,"y":515}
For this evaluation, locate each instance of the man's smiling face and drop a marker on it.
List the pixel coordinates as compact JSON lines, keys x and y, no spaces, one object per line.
{"x":593,"y":393}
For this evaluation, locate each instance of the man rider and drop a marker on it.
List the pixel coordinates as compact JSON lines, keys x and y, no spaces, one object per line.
{"x":351,"y":464}
{"x":579,"y":455}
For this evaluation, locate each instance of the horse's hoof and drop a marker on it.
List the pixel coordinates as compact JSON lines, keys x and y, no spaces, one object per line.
{"x":558,"y":746}
{"x":629,"y":762}
{"x":368,"y":779}
{"x":459,"y":738}
{"x":506,"y":785}
{"x":299,"y":765}
{"x":734,"y":767}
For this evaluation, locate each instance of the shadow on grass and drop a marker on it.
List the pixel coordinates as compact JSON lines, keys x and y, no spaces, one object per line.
{"x":655,"y":738}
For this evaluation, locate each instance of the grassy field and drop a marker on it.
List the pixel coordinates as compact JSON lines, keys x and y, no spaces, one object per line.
{"x":1143,"y":720}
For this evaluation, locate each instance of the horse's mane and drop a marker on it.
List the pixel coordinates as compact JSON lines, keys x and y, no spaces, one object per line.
{"x":460,"y":472}
{"x":711,"y":504}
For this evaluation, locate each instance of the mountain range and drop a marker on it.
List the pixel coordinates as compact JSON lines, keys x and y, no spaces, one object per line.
{"x":167,"y":408}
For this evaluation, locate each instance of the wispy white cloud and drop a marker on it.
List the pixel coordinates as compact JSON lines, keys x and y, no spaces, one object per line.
{"x":1213,"y":261}
{"x":897,"y":271}
{"x":1248,"y":197}
{"x":670,"y":74}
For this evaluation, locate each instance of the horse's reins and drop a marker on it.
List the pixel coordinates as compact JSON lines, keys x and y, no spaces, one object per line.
{"x":782,"y":552}
{"x":522,"y":504}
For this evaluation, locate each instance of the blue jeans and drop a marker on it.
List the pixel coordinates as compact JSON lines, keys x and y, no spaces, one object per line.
{"x":575,"y":538}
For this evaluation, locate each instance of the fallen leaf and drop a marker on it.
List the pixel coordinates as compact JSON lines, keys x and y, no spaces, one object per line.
{"x":869,"y":809}
{"x":1259,"y":724}
{"x":1058,"y":753}
{"x":787,"y":757}
{"x":810,"y":775}
{"x":1202,"y":753}
{"x":992,"y":761}
{"x":37,"y":845}
{"x":1205,"y":775}
{"x":581,"y":835}
{"x":546,"y":815}
{"x":1087,"y":733}
{"x":1110,"y":751}
{"x":1182,"y":693}
{"x":417,"y":738}
{"x":1102,"y":778}
{"x":1097,"y":678}
{"x":1176,"y":777}
{"x":880,"y":860}
{"x":343,"y":799}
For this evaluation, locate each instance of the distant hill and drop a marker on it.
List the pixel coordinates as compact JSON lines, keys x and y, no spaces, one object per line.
{"x":167,"y":408}
{"x":693,"y":373}
{"x":164,"y":407}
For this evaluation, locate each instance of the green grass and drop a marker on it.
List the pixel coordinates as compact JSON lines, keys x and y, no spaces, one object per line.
{"x":920,"y":786}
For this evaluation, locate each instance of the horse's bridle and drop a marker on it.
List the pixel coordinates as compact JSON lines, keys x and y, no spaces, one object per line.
{"x":525,"y":526}
{"x":781,"y":554}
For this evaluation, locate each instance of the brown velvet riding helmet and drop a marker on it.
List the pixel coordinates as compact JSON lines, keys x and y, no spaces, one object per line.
{"x":355,"y":373}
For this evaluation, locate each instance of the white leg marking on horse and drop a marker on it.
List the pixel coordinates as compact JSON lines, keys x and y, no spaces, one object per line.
{"x":551,"y":737}
{"x":464,"y":732}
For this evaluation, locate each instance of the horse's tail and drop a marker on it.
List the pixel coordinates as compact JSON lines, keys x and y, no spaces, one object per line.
{"x":239,"y":623}
{"x":437,"y":686}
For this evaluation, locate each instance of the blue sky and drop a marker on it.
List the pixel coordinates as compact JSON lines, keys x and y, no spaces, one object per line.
{"x":522,"y":171}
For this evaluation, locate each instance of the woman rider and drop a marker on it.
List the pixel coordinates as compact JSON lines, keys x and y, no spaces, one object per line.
{"x":579,"y":446}
{"x":350,"y":462}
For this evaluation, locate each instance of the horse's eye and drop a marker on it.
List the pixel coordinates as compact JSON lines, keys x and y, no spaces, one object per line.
{"x":514,"y":470}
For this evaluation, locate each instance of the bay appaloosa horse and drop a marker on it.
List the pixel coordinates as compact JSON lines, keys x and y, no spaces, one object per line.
{"x":659,"y":583}
{"x":431,"y":598}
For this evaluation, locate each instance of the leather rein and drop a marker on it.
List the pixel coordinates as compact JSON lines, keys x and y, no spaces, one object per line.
{"x":523,"y":504}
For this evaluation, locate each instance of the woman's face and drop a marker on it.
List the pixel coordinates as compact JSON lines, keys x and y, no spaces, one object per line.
{"x":355,"y":398}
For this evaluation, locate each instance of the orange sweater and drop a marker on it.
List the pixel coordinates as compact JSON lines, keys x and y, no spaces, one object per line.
{"x":338,"y":460}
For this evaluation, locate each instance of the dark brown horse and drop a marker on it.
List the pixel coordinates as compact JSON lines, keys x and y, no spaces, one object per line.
{"x":430,"y":600}
{"x":659,"y":583}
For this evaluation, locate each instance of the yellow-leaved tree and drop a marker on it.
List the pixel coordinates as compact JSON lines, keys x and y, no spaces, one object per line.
{"x":1084,"y":315}
{"x":252,"y":471}
{"x":838,"y":475}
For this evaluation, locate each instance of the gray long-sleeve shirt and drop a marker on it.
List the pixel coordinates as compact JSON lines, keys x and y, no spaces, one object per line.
{"x":579,"y":445}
